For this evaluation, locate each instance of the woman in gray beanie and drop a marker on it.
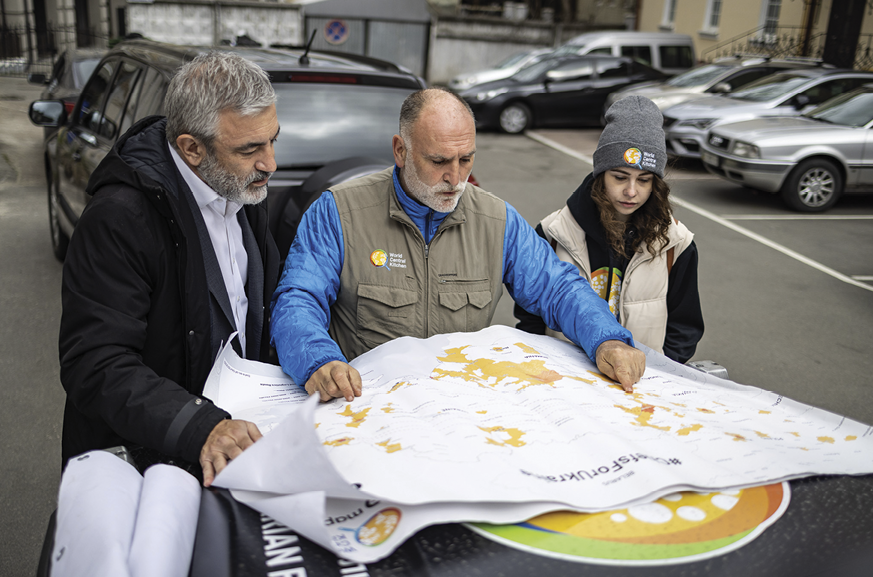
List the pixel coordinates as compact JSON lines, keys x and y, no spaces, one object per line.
{"x":618,"y":230}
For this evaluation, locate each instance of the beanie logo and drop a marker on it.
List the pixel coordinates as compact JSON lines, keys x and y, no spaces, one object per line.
{"x":633,"y":156}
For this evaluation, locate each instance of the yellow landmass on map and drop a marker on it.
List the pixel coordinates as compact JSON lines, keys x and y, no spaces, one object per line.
{"x":828,"y":440}
{"x":642,"y":415}
{"x":851,"y":438}
{"x":490,"y":373}
{"x":389,"y":446}
{"x":357,"y":418}
{"x":397,"y":386}
{"x":514,"y":436}
{"x":736,"y":437}
{"x":685,"y":431}
{"x":339,"y":442}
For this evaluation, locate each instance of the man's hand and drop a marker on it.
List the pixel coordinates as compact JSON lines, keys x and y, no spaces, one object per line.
{"x":333,"y":380}
{"x":227,"y":441}
{"x":621,"y":363}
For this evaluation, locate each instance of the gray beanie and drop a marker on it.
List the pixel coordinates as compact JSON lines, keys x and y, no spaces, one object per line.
{"x":634,"y":136}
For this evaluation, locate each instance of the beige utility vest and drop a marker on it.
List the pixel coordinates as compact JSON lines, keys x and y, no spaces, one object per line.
{"x":393,"y":285}
{"x":643,"y":299}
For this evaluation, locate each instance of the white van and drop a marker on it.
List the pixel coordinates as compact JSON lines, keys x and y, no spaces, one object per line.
{"x":668,"y":52}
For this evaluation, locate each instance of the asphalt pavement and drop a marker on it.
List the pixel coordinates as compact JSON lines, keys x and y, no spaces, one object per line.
{"x":780,"y":311}
{"x":31,"y":397}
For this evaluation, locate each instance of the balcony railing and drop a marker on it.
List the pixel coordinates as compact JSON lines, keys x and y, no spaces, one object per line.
{"x":786,"y":42}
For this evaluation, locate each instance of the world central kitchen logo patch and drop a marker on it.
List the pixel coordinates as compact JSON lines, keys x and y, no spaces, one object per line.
{"x":381,"y":259}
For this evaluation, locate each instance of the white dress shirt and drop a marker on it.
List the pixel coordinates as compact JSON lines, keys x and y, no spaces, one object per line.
{"x":220,"y":216}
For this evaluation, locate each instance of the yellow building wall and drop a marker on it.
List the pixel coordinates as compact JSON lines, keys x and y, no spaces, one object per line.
{"x":738,"y":18}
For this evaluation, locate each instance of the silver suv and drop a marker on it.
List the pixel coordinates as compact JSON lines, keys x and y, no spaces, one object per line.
{"x":789,"y":93}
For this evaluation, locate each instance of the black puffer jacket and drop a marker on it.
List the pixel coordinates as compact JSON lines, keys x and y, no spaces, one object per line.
{"x":135,"y":337}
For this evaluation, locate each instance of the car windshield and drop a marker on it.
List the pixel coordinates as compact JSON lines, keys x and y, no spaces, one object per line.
{"x":326,"y":122}
{"x":697,"y":76}
{"x":770,"y":87}
{"x":534,"y":71}
{"x":82,"y":70}
{"x":512,"y":60}
{"x":851,"y":109}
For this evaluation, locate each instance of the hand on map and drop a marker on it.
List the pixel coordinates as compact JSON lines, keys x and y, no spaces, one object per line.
{"x":621,"y":363}
{"x":227,"y":441}
{"x":333,"y":380}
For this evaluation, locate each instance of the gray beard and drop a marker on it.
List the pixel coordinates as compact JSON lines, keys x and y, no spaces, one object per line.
{"x":232,"y":187}
{"x":429,"y":195}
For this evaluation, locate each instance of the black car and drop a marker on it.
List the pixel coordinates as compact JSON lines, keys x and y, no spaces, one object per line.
{"x":560,"y":92}
{"x":337,"y":112}
{"x":69,"y":73}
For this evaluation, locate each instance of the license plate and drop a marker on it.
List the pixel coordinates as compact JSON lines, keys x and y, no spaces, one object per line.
{"x":709,"y":158}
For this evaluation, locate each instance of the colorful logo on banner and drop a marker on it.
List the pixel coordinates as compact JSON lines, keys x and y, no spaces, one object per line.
{"x":679,"y":528}
{"x":336,"y":32}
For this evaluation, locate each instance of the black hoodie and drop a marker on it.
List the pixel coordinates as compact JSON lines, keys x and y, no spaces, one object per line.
{"x":136,"y":337}
{"x":684,"y":316}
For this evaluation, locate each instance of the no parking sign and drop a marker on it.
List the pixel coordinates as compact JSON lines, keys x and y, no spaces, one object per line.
{"x":336,"y":31}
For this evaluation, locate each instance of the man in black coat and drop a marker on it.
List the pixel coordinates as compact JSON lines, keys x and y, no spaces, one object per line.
{"x":170,"y":258}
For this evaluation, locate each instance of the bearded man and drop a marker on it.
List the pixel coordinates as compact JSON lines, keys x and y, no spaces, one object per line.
{"x":172,"y":256}
{"x":417,"y":251}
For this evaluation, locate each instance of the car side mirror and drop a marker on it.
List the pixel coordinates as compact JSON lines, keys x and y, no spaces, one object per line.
{"x":35,"y":78}
{"x":721,"y":88}
{"x":48,"y":113}
{"x":800,"y":101}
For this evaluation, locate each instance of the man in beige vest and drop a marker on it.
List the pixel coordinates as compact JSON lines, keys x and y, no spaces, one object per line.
{"x":417,"y":251}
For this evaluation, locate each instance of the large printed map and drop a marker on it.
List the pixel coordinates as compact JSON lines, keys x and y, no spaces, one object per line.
{"x":500,"y":426}
{"x":518,"y":417}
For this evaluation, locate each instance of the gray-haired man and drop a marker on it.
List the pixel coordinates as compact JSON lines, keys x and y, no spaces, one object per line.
{"x":170,"y":257}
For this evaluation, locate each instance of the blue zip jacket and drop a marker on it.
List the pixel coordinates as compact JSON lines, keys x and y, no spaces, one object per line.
{"x":536,"y":279}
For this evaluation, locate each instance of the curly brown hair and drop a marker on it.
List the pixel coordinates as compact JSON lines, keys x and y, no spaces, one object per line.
{"x":651,"y":220}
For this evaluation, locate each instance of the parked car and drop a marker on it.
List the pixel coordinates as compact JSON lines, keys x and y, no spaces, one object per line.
{"x":337,"y":112}
{"x":720,"y":77}
{"x":503,"y":70}
{"x":784,"y":94}
{"x":69,"y":73}
{"x":560,"y":91}
{"x":811,"y":159}
{"x":668,"y":52}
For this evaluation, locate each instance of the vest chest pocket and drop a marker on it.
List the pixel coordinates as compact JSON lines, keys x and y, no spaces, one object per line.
{"x":384,"y":312}
{"x":464,"y":305}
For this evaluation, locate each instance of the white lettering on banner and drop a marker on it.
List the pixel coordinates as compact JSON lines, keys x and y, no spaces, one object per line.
{"x":280,"y":548}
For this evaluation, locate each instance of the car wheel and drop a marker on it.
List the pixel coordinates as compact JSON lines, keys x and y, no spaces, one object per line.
{"x":515,"y":118}
{"x":813,"y":186}
{"x":60,"y":241}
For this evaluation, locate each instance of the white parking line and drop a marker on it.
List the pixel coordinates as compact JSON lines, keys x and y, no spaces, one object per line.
{"x":721,"y":220}
{"x":774,"y":245}
{"x":797,"y":216}
{"x":866,"y":277}
{"x":559,"y":147}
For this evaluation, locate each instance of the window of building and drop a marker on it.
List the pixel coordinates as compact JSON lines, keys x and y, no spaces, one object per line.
{"x":669,"y":16}
{"x":770,"y":19}
{"x":713,"y":16}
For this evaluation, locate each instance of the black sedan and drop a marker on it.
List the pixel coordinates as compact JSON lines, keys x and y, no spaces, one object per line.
{"x":558,"y":92}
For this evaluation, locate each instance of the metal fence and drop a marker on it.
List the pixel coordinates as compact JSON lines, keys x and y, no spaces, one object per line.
{"x":787,"y":42}
{"x":25,"y":50}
